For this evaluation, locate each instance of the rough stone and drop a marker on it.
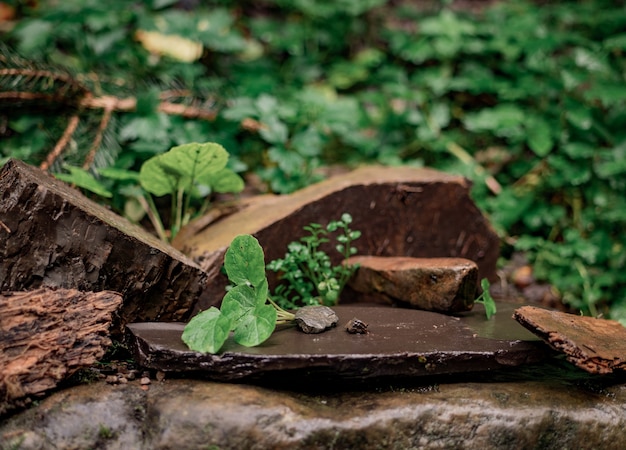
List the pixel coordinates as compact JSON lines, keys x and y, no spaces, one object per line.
{"x":401,"y":211}
{"x":315,"y":319}
{"x":47,"y":335}
{"x":193,"y":414}
{"x":53,"y":236}
{"x":445,"y":285}
{"x":400,"y":343}
{"x":594,"y":345}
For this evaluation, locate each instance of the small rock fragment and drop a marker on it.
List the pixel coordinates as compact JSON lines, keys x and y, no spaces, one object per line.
{"x":595,"y":345}
{"x":356,"y":326}
{"x":145,"y":381}
{"x":446,"y":285}
{"x":160,"y":375}
{"x":316,"y":319}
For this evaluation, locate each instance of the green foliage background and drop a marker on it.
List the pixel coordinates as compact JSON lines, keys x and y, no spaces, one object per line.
{"x":529,"y":98}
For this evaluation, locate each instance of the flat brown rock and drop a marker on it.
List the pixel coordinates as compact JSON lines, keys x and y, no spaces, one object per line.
{"x":400,"y":343}
{"x":594,"y":345}
{"x":53,"y":236}
{"x":401,"y":211}
{"x":46,"y":335}
{"x":433,"y":284}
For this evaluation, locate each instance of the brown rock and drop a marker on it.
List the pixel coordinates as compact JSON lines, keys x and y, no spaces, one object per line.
{"x":594,"y":345}
{"x":401,"y":211}
{"x":53,"y":236}
{"x":47,"y":335}
{"x":433,"y":284}
{"x":400,"y":343}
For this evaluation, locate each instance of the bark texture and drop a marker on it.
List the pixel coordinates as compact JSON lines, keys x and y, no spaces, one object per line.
{"x":46,"y":335}
{"x":53,"y":236}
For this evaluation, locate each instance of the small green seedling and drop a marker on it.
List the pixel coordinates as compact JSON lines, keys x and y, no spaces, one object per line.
{"x":246,"y":308}
{"x":180,"y":172}
{"x":486,"y":299}
{"x":306,"y":273}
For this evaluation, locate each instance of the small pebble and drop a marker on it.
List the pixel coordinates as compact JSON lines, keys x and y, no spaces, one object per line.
{"x":122,"y":380}
{"x":160,"y":375}
{"x":145,"y":381}
{"x":356,"y":326}
{"x":111,"y":379}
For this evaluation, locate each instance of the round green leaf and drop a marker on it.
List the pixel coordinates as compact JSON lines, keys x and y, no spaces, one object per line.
{"x":224,"y":181}
{"x":207,"y":331}
{"x":244,"y":261}
{"x":238,"y":302}
{"x":182,"y":166}
{"x":257,"y":327}
{"x":157,"y":178}
{"x":195,"y":161}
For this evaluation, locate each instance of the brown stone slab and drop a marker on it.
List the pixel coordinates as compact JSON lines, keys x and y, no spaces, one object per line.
{"x":401,"y":211}
{"x":53,"y":236}
{"x":400,"y":342}
{"x":445,"y":285}
{"x":46,"y":335}
{"x":595,"y":345}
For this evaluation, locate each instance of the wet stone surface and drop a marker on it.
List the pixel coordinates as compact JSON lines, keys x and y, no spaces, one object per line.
{"x":399,"y":342}
{"x":193,"y":414}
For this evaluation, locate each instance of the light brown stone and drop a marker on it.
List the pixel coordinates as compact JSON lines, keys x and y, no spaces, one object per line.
{"x":433,"y":284}
{"x":594,"y":345}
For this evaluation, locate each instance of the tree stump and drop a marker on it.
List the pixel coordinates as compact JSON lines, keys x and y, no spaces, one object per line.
{"x":46,"y":335}
{"x":53,"y":236}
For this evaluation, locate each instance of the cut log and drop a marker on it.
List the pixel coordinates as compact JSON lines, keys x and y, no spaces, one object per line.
{"x":446,"y":285}
{"x":53,"y":236}
{"x":401,"y":211}
{"x":595,"y":345}
{"x":46,"y":335}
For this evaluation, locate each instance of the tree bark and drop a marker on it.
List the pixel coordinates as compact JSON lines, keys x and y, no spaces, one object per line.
{"x":46,"y":335}
{"x":53,"y":236}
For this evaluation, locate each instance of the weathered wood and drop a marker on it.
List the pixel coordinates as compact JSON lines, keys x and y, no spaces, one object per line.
{"x":46,"y":335}
{"x":445,"y":285}
{"x":401,"y":211}
{"x":53,"y":236}
{"x":594,"y":345}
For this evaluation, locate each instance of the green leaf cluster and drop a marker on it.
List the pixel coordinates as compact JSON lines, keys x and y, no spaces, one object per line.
{"x":182,"y":171}
{"x":306,"y":272}
{"x":525,"y":99}
{"x":245,"y":309}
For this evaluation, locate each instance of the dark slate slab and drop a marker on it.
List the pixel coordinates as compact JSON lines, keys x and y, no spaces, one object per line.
{"x":400,"y":342}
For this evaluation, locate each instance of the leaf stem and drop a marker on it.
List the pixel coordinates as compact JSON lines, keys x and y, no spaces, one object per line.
{"x":282,"y":316}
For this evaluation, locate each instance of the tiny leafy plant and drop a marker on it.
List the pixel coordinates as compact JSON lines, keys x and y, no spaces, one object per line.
{"x":183,"y":172}
{"x":246,"y":309}
{"x":306,"y":272}
{"x":486,"y":299}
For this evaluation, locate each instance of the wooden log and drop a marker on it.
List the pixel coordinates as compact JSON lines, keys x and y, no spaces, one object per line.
{"x":53,"y":236}
{"x":401,"y":211}
{"x":46,"y":335}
